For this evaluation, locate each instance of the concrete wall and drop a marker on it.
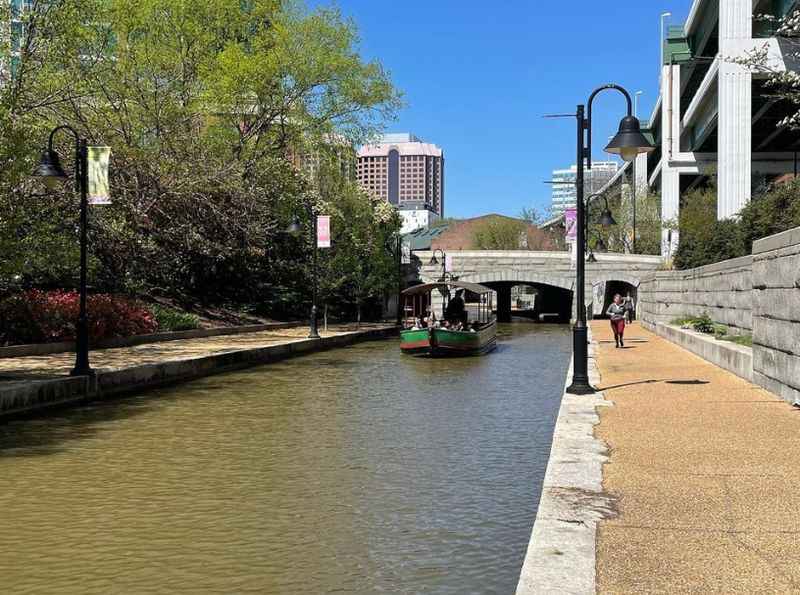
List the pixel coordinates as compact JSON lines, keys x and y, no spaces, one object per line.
{"x":723,"y":290}
{"x":758,"y":295}
{"x":776,"y":314}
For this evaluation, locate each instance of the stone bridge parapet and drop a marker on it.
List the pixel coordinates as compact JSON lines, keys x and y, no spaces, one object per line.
{"x":546,"y":268}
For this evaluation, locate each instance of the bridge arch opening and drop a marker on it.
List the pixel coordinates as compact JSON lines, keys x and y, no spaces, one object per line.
{"x":603,"y":293}
{"x":540,"y":302}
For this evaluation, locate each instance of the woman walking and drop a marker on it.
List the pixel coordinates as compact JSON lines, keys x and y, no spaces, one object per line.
{"x":616,"y":311}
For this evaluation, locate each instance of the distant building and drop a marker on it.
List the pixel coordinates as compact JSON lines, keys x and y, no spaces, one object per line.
{"x":406,"y":172}
{"x":12,"y":33}
{"x":416,"y":217}
{"x":564,"y":194}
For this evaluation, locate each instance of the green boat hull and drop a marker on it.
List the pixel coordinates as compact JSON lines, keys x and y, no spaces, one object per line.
{"x":442,"y":342}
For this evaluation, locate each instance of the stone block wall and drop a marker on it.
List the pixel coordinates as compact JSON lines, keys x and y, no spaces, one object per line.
{"x":723,"y":290}
{"x":776,"y":314}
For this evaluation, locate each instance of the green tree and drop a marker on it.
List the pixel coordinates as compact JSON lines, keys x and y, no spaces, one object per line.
{"x":212,"y":108}
{"x":500,"y":233}
{"x":703,"y":239}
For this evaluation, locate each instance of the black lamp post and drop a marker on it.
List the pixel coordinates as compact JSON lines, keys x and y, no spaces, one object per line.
{"x":433,"y":262}
{"x":628,"y":143}
{"x":295,"y":229}
{"x":399,"y":279}
{"x":606,"y":220}
{"x":51,"y":172}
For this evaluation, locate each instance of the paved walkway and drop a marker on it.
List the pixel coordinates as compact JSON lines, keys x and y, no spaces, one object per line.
{"x":55,"y":365}
{"x":706,"y":469}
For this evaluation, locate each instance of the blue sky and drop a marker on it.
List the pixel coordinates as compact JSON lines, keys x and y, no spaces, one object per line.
{"x":478,"y":77}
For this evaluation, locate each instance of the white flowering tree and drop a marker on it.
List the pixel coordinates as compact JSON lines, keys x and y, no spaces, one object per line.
{"x":782,"y":84}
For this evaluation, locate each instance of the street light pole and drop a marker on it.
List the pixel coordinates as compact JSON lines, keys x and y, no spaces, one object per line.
{"x":50,"y":170}
{"x":296,"y":229}
{"x":399,"y":279}
{"x":313,"y":332}
{"x":635,"y":183}
{"x":664,"y":16}
{"x":434,"y":261}
{"x":627,"y":143}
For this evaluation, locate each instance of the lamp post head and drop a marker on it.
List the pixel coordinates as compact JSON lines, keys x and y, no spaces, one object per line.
{"x":294,"y":229}
{"x":629,"y":141}
{"x":433,"y":261}
{"x":49,"y":169}
{"x":607,"y":219}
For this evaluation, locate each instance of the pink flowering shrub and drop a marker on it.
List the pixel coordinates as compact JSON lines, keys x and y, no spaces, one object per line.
{"x":36,"y":316}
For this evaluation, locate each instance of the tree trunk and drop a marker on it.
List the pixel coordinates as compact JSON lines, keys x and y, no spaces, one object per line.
{"x":358,"y":314}
{"x":325,"y":318}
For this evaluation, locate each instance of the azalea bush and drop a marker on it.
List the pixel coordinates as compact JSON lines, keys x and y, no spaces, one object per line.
{"x":36,"y":316}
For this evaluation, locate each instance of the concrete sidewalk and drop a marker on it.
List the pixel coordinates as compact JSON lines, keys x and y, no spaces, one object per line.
{"x":705,"y":470}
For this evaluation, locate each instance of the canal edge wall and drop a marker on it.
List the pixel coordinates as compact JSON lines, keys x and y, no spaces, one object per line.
{"x":31,"y":397}
{"x":561,"y":555}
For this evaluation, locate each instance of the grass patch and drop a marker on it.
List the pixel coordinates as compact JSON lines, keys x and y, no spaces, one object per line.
{"x":170,"y":319}
{"x":704,"y":324}
{"x":745,"y":340}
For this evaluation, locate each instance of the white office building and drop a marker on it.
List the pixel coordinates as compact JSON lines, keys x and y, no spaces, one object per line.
{"x":564,"y":191}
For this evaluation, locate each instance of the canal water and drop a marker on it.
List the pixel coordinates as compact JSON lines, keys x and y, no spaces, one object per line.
{"x":349,"y":471}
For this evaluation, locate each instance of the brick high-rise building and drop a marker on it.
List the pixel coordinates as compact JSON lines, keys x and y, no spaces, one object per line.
{"x":405,"y":171}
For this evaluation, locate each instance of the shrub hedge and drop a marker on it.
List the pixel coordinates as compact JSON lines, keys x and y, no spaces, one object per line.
{"x":37,"y":316}
{"x":704,"y":240}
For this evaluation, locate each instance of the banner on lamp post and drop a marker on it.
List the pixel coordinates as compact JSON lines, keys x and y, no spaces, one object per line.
{"x":571,"y":225}
{"x":405,"y":251}
{"x":323,"y":231}
{"x":98,"y":192}
{"x":448,"y":263}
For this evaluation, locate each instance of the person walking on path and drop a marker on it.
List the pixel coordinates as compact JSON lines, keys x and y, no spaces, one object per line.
{"x":628,"y":305}
{"x":616,"y":311}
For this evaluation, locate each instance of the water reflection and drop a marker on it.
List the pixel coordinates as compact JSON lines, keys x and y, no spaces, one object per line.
{"x":355,"y":471}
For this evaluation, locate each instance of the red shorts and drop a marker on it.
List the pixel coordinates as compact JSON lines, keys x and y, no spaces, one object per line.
{"x":618,"y":326}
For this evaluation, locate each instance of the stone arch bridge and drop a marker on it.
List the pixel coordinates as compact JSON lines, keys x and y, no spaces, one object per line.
{"x":551,"y":274}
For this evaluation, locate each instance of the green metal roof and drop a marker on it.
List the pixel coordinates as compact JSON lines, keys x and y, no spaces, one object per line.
{"x":676,"y":46}
{"x":420,"y":239}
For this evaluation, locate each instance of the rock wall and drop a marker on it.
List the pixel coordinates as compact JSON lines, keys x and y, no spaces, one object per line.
{"x":722,"y":290}
{"x":776,"y":314}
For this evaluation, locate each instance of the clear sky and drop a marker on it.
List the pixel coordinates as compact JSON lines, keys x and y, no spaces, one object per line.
{"x":478,"y":77}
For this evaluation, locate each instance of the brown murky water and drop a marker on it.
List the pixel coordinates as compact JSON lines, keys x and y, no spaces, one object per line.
{"x":351,"y":471}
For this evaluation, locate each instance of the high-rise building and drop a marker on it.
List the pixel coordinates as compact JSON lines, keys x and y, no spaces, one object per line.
{"x":12,"y":33}
{"x":406,"y":172}
{"x":565,"y":193}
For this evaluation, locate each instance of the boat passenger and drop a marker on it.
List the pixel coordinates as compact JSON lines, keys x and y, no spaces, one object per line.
{"x":456,"y":307}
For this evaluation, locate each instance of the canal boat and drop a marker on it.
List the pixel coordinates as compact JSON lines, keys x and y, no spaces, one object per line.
{"x":468,"y":328}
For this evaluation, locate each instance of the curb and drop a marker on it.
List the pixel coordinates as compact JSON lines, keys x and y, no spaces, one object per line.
{"x":37,"y":396}
{"x":561,"y":554}
{"x":736,"y":359}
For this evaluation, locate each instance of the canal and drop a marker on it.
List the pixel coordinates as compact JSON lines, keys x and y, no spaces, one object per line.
{"x":348,"y":471}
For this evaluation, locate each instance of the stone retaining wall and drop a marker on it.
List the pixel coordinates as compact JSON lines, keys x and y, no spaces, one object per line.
{"x":722,"y":290}
{"x":776,"y":314}
{"x":757,"y":294}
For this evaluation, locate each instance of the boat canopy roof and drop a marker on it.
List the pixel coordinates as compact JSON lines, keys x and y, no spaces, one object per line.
{"x":427,"y":287}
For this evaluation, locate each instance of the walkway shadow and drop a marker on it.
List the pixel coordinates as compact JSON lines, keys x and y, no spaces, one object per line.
{"x":653,"y":381}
